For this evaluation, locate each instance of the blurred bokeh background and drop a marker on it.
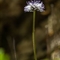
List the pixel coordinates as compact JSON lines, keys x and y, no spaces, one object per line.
{"x":16,"y":25}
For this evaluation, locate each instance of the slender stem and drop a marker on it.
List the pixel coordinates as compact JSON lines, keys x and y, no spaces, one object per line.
{"x":15,"y":56}
{"x":33,"y":36}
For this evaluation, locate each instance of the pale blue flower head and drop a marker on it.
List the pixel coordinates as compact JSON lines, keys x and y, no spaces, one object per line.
{"x":34,"y":5}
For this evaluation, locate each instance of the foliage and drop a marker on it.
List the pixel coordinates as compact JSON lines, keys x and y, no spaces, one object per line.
{"x":3,"y":56}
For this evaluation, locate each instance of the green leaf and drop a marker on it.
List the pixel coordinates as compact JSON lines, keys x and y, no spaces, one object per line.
{"x":2,"y":54}
{"x":6,"y":57}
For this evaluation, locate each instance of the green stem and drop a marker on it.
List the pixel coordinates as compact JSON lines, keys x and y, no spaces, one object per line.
{"x":33,"y":36}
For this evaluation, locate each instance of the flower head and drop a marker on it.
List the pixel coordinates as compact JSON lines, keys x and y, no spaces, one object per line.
{"x":34,"y":5}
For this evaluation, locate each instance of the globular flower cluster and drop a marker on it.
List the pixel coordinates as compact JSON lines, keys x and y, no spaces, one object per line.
{"x":34,"y":5}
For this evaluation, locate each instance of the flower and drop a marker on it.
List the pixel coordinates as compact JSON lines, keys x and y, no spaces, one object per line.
{"x":34,"y":5}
